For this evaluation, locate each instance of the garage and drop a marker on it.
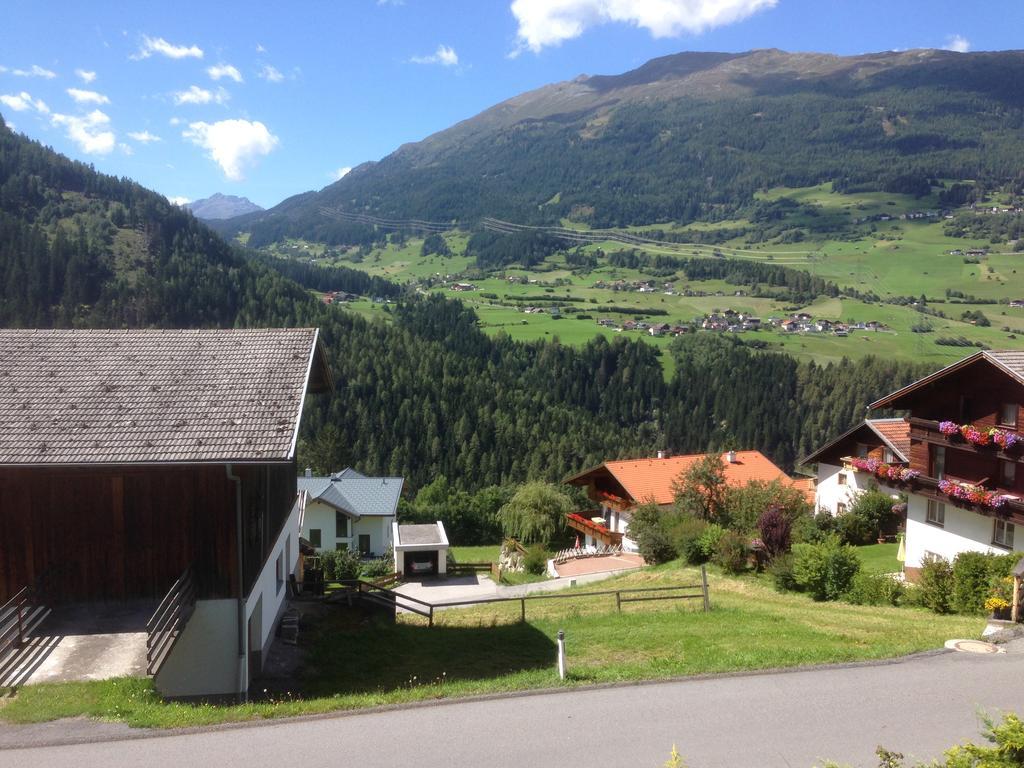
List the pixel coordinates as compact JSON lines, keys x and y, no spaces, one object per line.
{"x":420,"y":550}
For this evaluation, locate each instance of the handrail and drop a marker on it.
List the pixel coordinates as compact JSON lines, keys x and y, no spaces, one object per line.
{"x":19,"y":618}
{"x":168,"y":621}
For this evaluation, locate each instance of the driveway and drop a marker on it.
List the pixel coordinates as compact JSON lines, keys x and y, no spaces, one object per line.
{"x":918,"y":706}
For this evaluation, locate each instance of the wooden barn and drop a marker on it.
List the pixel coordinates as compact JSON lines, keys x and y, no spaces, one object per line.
{"x":158,"y":464}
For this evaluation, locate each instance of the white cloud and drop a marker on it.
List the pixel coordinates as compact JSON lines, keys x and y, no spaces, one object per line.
{"x":20,"y":102}
{"x":90,"y":132}
{"x":86,"y":75}
{"x":260,"y":48}
{"x":197,"y":95}
{"x":151,"y":45}
{"x":35,"y":71}
{"x":444,"y":55}
{"x":125,"y":148}
{"x":340,"y":173}
{"x":957,"y":43}
{"x":544,"y":23}
{"x":232,"y":144}
{"x":271,"y":74}
{"x":87,"y":97}
{"x":179,"y":200}
{"x":143,"y":137}
{"x":224,"y":70}
{"x":175,"y":121}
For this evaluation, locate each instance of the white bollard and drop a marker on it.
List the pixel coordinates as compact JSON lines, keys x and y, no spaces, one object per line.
{"x":561,"y":655}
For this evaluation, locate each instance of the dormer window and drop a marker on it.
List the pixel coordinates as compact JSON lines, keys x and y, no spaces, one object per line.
{"x":1008,"y":415}
{"x":862,"y":450}
{"x":889,"y":457}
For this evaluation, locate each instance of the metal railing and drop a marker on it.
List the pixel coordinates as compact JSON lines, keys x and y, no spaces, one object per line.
{"x":168,"y":621}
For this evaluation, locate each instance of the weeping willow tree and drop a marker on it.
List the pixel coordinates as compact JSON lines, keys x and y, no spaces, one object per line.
{"x":536,"y":513}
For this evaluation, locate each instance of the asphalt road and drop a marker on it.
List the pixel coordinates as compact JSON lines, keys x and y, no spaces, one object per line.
{"x":918,"y":706}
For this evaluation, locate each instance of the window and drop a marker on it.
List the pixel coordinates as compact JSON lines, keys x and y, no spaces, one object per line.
{"x":888,"y":456}
{"x":1008,"y":415}
{"x":862,"y":450}
{"x":1007,"y":474}
{"x":314,"y":537}
{"x":341,"y":546}
{"x":364,"y":544}
{"x":938,"y":462}
{"x":1002,"y":534}
{"x":841,"y":508}
{"x":279,"y":571}
{"x":936,"y":514}
{"x":842,"y":478}
{"x":340,"y":525}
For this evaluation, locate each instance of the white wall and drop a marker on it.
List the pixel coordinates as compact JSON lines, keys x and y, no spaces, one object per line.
{"x":964,"y":531}
{"x":205,"y":658}
{"x":319,"y":515}
{"x":829,"y":493}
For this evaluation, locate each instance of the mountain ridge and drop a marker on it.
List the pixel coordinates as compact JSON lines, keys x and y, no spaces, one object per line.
{"x":221,"y":206}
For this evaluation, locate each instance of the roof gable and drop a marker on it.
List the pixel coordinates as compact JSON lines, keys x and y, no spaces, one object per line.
{"x":1007,"y":362}
{"x":352,"y":492}
{"x":892,"y":433}
{"x":153,"y":396}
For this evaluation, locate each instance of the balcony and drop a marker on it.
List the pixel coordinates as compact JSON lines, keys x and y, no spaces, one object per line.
{"x":927,"y":431}
{"x":928,"y":487}
{"x":595,"y":530}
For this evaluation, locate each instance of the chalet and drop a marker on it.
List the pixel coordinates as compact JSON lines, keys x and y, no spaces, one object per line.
{"x":659,"y":329}
{"x":159,"y":465}
{"x":963,"y":486}
{"x":619,"y":486}
{"x":837,"y":483}
{"x":348,"y":510}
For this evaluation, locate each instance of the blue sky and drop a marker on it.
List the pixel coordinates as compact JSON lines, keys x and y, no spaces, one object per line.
{"x":193,"y":98}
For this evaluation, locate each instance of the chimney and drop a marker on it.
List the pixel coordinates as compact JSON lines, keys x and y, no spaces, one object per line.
{"x":731,"y":457}
{"x":309,"y":471}
{"x":662,"y":455}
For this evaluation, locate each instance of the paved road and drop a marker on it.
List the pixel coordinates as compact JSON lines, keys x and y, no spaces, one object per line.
{"x":794,"y":719}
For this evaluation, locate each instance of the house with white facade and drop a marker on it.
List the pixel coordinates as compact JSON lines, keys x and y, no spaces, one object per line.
{"x":837,"y":483}
{"x":619,"y":486}
{"x":348,"y":510}
{"x":964,"y":478}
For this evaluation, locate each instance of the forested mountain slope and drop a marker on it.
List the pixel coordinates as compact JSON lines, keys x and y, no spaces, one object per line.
{"x":686,"y":137}
{"x":424,"y":392}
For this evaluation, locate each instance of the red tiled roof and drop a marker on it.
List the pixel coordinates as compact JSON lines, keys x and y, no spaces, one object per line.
{"x":896,"y":432}
{"x":652,"y":479}
{"x":806,"y":486}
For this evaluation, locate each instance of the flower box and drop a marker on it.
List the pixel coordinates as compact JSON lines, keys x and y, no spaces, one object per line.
{"x":993,"y":437}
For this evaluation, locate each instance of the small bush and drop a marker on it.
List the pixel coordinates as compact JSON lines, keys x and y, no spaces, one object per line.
{"x":536,"y":560}
{"x":383,"y":566}
{"x":855,"y":529}
{"x":936,"y":583}
{"x":707,"y":543}
{"x":648,"y":527}
{"x":686,"y":533}
{"x":774,"y":528}
{"x":826,"y":570}
{"x":812,"y":529}
{"x":874,"y":589}
{"x":731,"y":552}
{"x":341,"y":565}
{"x":781,"y":571}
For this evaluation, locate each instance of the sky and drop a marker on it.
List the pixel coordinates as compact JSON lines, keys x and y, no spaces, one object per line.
{"x":267,"y":100}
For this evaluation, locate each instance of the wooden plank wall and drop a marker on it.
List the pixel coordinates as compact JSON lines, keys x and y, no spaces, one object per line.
{"x":118,"y":533}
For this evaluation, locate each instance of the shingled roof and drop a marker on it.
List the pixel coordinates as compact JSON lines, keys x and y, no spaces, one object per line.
{"x":153,"y":396}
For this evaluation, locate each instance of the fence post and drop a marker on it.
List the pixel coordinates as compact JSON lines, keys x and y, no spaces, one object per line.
{"x":618,"y":602}
{"x":704,"y":588}
{"x":522,"y":609}
{"x":430,"y":620}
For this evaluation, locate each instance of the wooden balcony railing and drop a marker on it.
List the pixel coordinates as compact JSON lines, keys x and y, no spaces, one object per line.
{"x":600,"y":532}
{"x":927,"y":431}
{"x":169,"y":620}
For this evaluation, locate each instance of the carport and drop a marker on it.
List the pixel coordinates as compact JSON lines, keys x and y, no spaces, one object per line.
{"x":420,"y":550}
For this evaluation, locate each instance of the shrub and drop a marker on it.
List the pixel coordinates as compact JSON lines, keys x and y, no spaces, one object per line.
{"x":382,"y":566}
{"x":826,"y":570}
{"x":874,"y":589}
{"x":341,"y":565}
{"x":855,"y":529}
{"x":686,"y":534}
{"x":936,"y":583}
{"x":536,"y":560}
{"x":648,"y":527}
{"x":731,"y":552}
{"x":876,"y":508}
{"x":707,"y":543}
{"x":814,"y":528}
{"x":747,"y":503}
{"x":781,"y":571}
{"x":774,"y":528}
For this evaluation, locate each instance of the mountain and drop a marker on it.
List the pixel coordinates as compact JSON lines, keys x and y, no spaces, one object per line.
{"x":687,"y":137}
{"x":219,"y":206}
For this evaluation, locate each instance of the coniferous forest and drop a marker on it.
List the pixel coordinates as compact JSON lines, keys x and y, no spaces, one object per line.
{"x":425,"y":393}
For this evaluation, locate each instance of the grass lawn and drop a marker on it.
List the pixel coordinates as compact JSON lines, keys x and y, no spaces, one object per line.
{"x":487,"y":553}
{"x":879,"y":558}
{"x":486,"y":650}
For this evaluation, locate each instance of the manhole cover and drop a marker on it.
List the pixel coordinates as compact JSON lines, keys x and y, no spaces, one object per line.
{"x":973,"y":646}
